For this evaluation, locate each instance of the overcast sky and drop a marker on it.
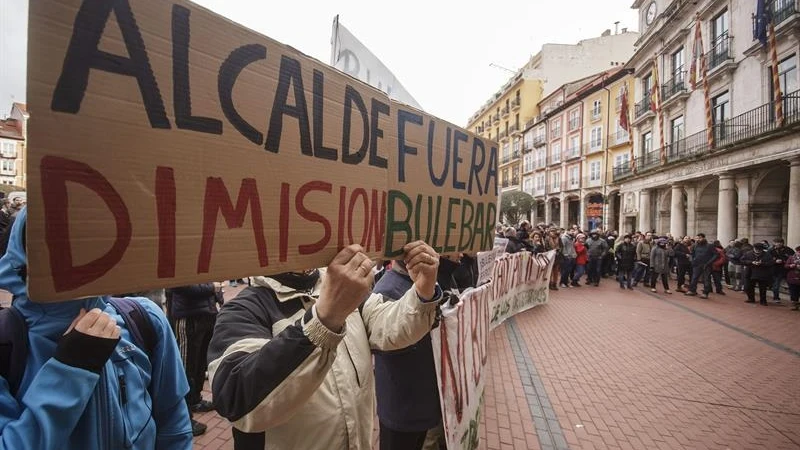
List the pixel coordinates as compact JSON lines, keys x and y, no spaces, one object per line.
{"x":439,"y":49}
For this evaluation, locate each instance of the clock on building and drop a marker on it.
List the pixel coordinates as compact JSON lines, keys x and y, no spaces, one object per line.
{"x":651,"y":13}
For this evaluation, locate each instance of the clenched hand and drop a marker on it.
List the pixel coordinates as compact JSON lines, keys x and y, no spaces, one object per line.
{"x":422,"y":263}
{"x":348,"y":283}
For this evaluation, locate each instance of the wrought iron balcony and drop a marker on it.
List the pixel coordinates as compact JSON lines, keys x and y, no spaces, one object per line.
{"x":642,"y":107}
{"x":503,"y":134}
{"x":515,"y":104}
{"x":572,"y":153}
{"x":515,"y":155}
{"x":622,"y":136}
{"x":592,"y":147}
{"x":496,"y":119}
{"x":574,"y":123}
{"x":720,"y":52}
{"x":674,"y":86}
{"x":539,"y":140}
{"x":756,"y":123}
{"x":513,"y":129}
{"x":504,"y":111}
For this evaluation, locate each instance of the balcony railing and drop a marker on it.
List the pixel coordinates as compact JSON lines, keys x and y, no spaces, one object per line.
{"x":554,"y":159}
{"x":515,"y":181}
{"x":720,"y":52}
{"x":589,"y":182}
{"x":516,"y":103}
{"x":504,"y":111}
{"x":502,"y":135}
{"x":572,"y":184}
{"x":479,"y":129}
{"x":527,"y":147}
{"x":555,"y":133}
{"x":539,"y":141}
{"x":592,"y":147}
{"x":596,"y":114}
{"x":513,"y":129}
{"x":642,"y":107}
{"x":622,"y":136}
{"x":515,"y":155}
{"x":782,"y":10}
{"x":572,"y":153}
{"x":508,"y":158}
{"x":749,"y":125}
{"x":555,"y":187}
{"x":674,"y":86}
{"x":496,"y":119}
{"x":505,"y":184}
{"x":574,"y":123}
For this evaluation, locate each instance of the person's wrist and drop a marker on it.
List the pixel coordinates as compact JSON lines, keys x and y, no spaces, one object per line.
{"x":330,"y":319}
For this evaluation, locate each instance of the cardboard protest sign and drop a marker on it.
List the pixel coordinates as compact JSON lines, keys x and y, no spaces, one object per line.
{"x":170,"y":146}
{"x":460,"y":346}
{"x":485,"y":266}
{"x":519,"y":282}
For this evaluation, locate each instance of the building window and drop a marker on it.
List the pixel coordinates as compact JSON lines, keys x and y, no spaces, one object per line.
{"x":596,"y":110}
{"x":596,"y":138}
{"x":516,"y":121}
{"x":574,"y":120}
{"x":540,"y":183}
{"x":677,"y":132}
{"x":556,"y":181}
{"x":528,"y":140}
{"x":677,"y":64}
{"x":8,"y":166}
{"x":555,"y":130}
{"x":647,"y":143}
{"x":647,"y":84}
{"x":594,"y":170}
{"x":506,"y":152}
{"x":555,"y":152}
{"x":515,"y":175}
{"x":622,"y":160}
{"x":528,"y":185}
{"x":719,"y":26}
{"x":540,"y":158}
{"x":8,"y":149}
{"x":517,"y":144}
{"x":574,"y":174}
{"x":721,"y":112}
{"x":505,"y":178}
{"x":787,"y":72}
{"x":528,"y":161}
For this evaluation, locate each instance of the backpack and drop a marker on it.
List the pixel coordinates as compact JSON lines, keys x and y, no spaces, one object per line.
{"x":14,"y":337}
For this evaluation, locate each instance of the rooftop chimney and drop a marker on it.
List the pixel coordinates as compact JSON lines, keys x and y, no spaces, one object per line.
{"x":624,"y":30}
{"x":616,"y":27}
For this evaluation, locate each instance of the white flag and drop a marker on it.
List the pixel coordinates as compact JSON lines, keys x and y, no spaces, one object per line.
{"x":352,"y":57}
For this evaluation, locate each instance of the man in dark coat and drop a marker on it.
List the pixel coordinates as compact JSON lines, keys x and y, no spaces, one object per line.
{"x":780,"y":253}
{"x":760,"y":266}
{"x":683,"y":261}
{"x":703,"y":254}
{"x":626,"y":258}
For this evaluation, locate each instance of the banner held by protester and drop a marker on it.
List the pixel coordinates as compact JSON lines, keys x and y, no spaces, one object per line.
{"x":169,"y":146}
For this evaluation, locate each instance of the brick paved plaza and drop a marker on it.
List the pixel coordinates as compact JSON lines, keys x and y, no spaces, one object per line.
{"x":601,"y":368}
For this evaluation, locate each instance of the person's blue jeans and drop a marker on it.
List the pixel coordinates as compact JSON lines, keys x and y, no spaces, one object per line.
{"x":697,"y":273}
{"x":778,"y":279}
{"x":580,"y":269}
{"x":567,"y":266}
{"x":595,"y":265}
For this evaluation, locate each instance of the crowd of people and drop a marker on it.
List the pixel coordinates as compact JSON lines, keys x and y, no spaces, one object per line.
{"x":649,"y":257}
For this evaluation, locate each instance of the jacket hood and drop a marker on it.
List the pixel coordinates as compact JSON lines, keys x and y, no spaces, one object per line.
{"x":12,"y":264}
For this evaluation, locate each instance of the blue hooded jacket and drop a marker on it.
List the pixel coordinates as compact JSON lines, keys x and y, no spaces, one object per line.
{"x":135,"y":402}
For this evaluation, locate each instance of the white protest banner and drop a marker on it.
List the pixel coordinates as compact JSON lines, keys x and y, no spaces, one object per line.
{"x":170,"y":146}
{"x":485,"y":266}
{"x":519,"y":282}
{"x":500,"y":244}
{"x":460,"y":345}
{"x":352,"y":57}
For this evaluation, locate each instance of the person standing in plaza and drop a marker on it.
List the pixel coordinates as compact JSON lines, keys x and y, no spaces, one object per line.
{"x":780,"y":253}
{"x":716,"y":267}
{"x":760,"y":269}
{"x":659,"y":265}
{"x":683,"y":262}
{"x":290,"y":361}
{"x":626,"y":258}
{"x":792,"y":267}
{"x":553,"y":242}
{"x":193,"y":310}
{"x":568,"y":262}
{"x":642,"y":266}
{"x":581,"y":259}
{"x":596,"y":248}
{"x":703,"y":255}
{"x":733,"y":253}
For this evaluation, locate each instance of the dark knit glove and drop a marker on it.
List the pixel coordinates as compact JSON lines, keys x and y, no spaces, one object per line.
{"x":80,"y":350}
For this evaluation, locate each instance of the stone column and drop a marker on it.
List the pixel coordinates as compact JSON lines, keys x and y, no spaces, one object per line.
{"x":645,"y":211}
{"x":691,"y":216}
{"x":677,"y":212}
{"x":582,"y":218}
{"x":726,"y":209}
{"x":622,"y":230}
{"x":743,"y":228}
{"x":564,"y":219}
{"x":793,"y":233}
{"x":548,"y":212}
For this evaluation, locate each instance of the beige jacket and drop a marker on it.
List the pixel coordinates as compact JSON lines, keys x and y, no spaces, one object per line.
{"x":327,"y":401}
